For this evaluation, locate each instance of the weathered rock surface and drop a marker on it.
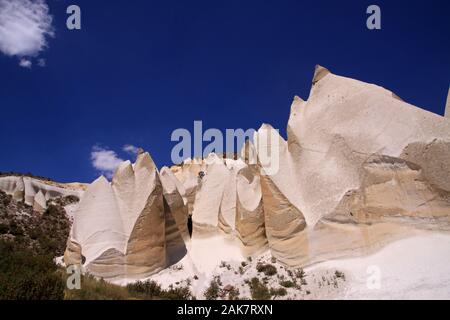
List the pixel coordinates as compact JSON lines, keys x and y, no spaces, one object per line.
{"x":360,"y":168}
{"x":250,"y":224}
{"x":35,"y":192}
{"x":127,"y":229}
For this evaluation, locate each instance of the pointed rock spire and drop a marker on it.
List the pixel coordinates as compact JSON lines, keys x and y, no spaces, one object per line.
{"x":40,"y":204}
{"x":319,"y":73}
{"x":144,"y":160}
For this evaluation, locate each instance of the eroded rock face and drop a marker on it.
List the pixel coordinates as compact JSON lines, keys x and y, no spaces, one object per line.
{"x":189,"y":175}
{"x":176,"y":217}
{"x":393,"y":187}
{"x":343,"y":124}
{"x":128,"y":229}
{"x":360,"y":168}
{"x":214,"y":214}
{"x":35,"y":192}
{"x":250,"y":220}
{"x":72,"y":255}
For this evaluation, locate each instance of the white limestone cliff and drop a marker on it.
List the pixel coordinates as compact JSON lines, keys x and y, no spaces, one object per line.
{"x":360,"y":168}
{"x":35,"y":192}
{"x":126,"y":229}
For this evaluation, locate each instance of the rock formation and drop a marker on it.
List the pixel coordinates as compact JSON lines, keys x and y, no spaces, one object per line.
{"x":36,"y":192}
{"x":360,"y":168}
{"x":358,"y":155}
{"x":250,"y":224}
{"x":131,"y":227}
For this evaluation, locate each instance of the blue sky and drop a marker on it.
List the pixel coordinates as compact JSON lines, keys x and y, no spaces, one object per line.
{"x":139,"y":69}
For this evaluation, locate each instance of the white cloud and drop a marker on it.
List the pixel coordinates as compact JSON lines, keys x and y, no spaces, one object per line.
{"x":104,"y":160}
{"x":25,"y":63}
{"x":25,"y":26}
{"x":41,"y":63}
{"x":129,"y":148}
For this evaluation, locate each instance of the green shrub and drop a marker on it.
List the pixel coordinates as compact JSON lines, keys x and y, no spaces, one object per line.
{"x":98,"y":289}
{"x":178,"y":293}
{"x":259,"y":290}
{"x":4,"y":228}
{"x":212,"y":292}
{"x":233,"y":294}
{"x":241,"y":270}
{"x":150,"y":289}
{"x":280,"y":292}
{"x":26,"y":276}
{"x":287,"y":284}
{"x":267,"y":269}
{"x":300,"y":273}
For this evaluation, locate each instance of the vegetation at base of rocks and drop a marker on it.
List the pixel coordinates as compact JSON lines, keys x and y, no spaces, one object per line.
{"x":153,"y":291}
{"x":287,"y":283}
{"x":28,"y":243}
{"x":268,"y":269}
{"x":147,"y":288}
{"x":300,"y":273}
{"x":233,"y":293}
{"x":25,"y":275}
{"x":98,"y":289}
{"x":259,"y":290}
{"x":339,"y":274}
{"x":241,"y":270}
{"x":280,"y":292}
{"x":223,"y":264}
{"x":92,"y":288}
{"x":64,"y":200}
{"x":44,"y":234}
{"x":213,"y":291}
{"x":52,"y":231}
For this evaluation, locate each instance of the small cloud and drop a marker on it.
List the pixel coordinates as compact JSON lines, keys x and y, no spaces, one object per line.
{"x":104,"y":160}
{"x":25,"y":26}
{"x":41,"y":63}
{"x":25,"y":63}
{"x":129,"y":148}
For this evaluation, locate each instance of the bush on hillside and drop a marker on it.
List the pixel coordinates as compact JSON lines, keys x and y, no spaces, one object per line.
{"x":267,"y":269}
{"x":26,"y":276}
{"x":259,"y":290}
